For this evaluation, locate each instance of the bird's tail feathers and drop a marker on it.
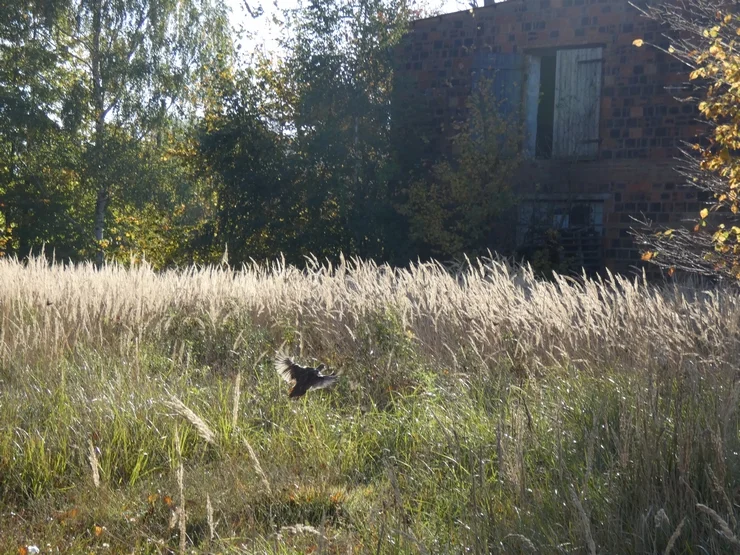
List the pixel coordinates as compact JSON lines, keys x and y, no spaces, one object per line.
{"x":326,"y":381}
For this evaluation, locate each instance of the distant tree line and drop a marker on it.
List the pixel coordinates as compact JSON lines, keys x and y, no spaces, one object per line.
{"x":135,"y":128}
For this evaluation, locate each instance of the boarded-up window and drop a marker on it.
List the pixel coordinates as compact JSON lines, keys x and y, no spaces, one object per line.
{"x":560,"y":93}
{"x":577,"y":102}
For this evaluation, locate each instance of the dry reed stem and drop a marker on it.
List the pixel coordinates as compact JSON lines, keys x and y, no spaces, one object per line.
{"x":237,"y":396}
{"x":183,"y":516}
{"x":209,"y":518}
{"x":674,"y":537}
{"x":722,"y":494}
{"x":94,"y":464}
{"x":181,"y":513}
{"x":258,"y":466}
{"x":725,"y":530}
{"x":584,"y":521}
{"x":204,"y":431}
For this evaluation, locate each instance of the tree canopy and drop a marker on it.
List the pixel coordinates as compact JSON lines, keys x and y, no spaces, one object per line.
{"x":98,"y":100}
{"x":135,"y":129}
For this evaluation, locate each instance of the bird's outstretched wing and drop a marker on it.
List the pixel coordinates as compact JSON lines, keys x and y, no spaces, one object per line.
{"x":286,"y":368}
{"x":290,"y":371}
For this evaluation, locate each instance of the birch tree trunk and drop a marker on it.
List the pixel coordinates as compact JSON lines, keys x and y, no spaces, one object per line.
{"x":101,"y":203}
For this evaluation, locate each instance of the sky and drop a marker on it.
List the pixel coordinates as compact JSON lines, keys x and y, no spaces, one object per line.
{"x":264,"y":32}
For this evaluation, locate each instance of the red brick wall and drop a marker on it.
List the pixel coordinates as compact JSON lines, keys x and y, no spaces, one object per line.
{"x":631,"y":188}
{"x":641,"y":124}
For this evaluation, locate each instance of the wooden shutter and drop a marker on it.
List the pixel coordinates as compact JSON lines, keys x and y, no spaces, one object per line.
{"x":577,"y":103}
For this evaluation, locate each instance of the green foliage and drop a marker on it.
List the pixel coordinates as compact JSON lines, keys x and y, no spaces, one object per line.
{"x":96,"y":98}
{"x":39,"y":158}
{"x":455,"y":211}
{"x":256,"y":211}
{"x":549,"y":258}
{"x":339,"y":70}
{"x":301,"y":146}
{"x":129,"y":131}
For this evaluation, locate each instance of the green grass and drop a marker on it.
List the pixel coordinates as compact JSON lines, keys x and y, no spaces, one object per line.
{"x":491,"y":414}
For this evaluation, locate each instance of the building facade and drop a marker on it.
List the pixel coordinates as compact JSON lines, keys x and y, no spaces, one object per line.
{"x":601,"y":121}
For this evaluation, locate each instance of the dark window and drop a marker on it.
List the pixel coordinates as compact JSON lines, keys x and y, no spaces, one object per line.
{"x":546,"y":107}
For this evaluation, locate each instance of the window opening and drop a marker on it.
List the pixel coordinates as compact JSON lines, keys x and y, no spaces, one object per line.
{"x":546,"y":108}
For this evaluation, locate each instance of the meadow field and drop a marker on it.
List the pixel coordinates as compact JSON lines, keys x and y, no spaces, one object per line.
{"x":478,"y":411}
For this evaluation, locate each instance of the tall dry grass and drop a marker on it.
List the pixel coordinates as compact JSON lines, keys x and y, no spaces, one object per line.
{"x":488,"y":311}
{"x":479,"y":410}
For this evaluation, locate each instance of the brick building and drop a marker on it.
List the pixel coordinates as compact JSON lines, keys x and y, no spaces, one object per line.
{"x":602,"y":124}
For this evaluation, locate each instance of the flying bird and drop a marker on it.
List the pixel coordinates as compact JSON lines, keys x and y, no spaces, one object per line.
{"x":305,"y":377}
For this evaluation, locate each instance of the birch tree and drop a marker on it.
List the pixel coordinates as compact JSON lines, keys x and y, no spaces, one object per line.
{"x":136,"y":64}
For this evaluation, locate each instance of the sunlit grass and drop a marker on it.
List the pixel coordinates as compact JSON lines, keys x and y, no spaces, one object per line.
{"x":479,"y":412}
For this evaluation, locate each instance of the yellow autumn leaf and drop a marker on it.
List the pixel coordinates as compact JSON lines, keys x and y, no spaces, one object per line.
{"x":647,"y":255}
{"x":638,"y":43}
{"x":704,"y":213}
